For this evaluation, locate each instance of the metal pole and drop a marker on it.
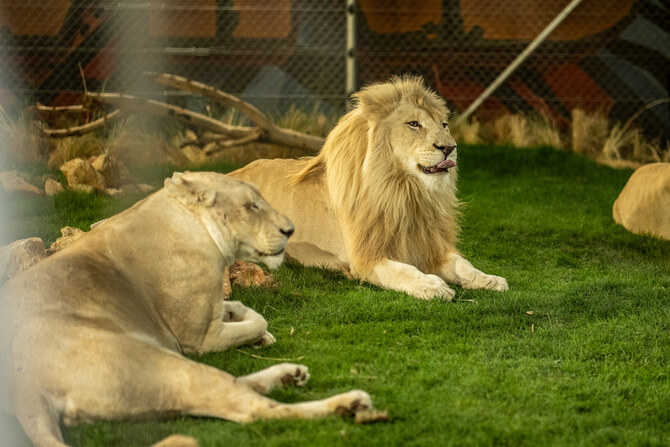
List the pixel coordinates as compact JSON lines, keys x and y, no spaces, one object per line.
{"x":518,"y":61}
{"x":351,"y":50}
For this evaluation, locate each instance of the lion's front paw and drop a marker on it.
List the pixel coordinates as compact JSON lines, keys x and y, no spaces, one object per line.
{"x":293,"y":374}
{"x":266,"y":340}
{"x":432,"y":286}
{"x":488,"y":282}
{"x":352,"y":402}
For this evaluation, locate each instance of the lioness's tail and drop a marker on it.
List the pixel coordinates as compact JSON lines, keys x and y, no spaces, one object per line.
{"x":40,"y":422}
{"x":177,"y":441}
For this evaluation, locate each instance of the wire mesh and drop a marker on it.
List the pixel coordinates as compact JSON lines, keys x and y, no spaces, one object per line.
{"x":609,"y":57}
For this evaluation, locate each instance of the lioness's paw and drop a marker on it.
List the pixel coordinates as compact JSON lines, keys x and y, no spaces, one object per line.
{"x":292,"y":374}
{"x":488,"y":282}
{"x":266,"y":340}
{"x":432,"y":286}
{"x":352,"y":402}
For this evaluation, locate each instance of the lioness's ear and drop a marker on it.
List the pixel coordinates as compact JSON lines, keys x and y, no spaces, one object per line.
{"x":176,"y":184}
{"x":190,"y":193}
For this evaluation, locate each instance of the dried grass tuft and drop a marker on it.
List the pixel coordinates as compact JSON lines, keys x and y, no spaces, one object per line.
{"x":468,"y":132}
{"x":140,"y":141}
{"x":588,"y":132}
{"x":19,"y":139}
{"x":65,"y":149}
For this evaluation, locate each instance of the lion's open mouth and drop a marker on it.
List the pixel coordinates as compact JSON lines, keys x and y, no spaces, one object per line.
{"x":442,"y":166}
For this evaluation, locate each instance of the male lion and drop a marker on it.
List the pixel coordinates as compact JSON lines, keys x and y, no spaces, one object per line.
{"x":97,"y":330}
{"x":379,"y":199}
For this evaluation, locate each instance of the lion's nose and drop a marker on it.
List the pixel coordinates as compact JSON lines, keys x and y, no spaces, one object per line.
{"x":287,"y":232}
{"x":446,"y":149}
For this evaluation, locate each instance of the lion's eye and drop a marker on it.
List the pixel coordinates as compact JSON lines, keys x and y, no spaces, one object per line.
{"x":444,"y":125}
{"x":252,"y":206}
{"x":414,"y":124}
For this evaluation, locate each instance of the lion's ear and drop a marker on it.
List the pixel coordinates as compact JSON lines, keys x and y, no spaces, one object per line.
{"x":189,"y":192}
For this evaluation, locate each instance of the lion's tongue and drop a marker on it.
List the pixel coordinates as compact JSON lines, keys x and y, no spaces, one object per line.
{"x":446,"y":164}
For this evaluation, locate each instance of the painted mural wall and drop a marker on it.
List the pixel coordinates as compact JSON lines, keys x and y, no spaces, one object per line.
{"x":610,"y":56}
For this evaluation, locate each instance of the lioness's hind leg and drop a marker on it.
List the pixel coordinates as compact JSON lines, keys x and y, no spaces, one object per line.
{"x":281,"y":375}
{"x":201,"y":390}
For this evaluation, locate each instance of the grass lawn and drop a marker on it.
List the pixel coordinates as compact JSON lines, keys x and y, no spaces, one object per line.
{"x":577,"y":352}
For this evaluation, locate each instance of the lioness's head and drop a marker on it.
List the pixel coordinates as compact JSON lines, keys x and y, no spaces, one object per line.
{"x":412,"y":122}
{"x":241,"y":223}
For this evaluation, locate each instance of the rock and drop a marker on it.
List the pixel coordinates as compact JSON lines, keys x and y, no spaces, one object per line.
{"x":81,"y":173}
{"x":68,"y":236}
{"x":12,"y":182}
{"x":114,"y":172}
{"x":643,"y":206}
{"x":52,"y":187}
{"x":129,"y":188}
{"x":226,"y":288}
{"x":20,"y":255}
{"x":146,"y":188}
{"x":245,"y":274}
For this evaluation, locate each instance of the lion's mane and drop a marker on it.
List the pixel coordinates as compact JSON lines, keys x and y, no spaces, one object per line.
{"x":385,"y":212}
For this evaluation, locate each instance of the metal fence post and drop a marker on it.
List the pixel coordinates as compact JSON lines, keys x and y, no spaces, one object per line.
{"x":351,"y":51}
{"x":518,"y":61}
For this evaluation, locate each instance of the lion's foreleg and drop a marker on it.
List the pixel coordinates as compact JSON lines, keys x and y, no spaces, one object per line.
{"x":458,"y":270}
{"x":407,"y":278}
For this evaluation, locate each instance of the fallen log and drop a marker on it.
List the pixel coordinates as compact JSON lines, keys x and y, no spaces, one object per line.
{"x":230,"y":135}
{"x":269,"y":131}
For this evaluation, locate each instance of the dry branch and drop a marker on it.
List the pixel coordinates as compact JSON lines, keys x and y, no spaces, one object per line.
{"x":208,"y":91}
{"x":132,"y":104}
{"x":59,"y":109}
{"x":269,"y":132}
{"x":84,"y":128}
{"x":266,"y":131}
{"x":221,"y":145}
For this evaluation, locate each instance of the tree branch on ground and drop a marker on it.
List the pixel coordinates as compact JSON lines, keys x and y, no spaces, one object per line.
{"x":124,"y":105}
{"x":77,"y":131}
{"x":269,"y":131}
{"x":132,"y":104}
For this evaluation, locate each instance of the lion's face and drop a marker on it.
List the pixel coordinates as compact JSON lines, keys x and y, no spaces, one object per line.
{"x":421,"y":140}
{"x":241,"y":223}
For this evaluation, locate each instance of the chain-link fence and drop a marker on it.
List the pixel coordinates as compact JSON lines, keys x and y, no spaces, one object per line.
{"x":612,"y":57}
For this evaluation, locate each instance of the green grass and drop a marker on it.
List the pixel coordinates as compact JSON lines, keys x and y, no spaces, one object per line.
{"x":576,"y":353}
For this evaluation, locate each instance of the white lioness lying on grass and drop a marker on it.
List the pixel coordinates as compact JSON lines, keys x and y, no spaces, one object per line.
{"x":98,"y":329}
{"x":379,"y":199}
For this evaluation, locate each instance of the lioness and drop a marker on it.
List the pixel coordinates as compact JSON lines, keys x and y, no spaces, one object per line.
{"x":379,"y":199}
{"x":98,"y":329}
